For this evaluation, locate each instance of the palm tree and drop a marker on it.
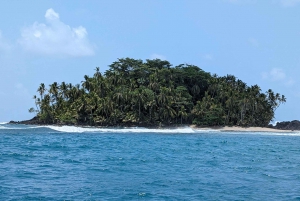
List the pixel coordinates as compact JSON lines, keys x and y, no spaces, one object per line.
{"x":37,"y":102}
{"x":182,"y":113}
{"x":41,"y":90}
{"x":133,"y":91}
{"x":140,"y":98}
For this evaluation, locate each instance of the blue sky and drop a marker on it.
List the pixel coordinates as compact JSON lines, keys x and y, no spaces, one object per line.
{"x":257,"y":41}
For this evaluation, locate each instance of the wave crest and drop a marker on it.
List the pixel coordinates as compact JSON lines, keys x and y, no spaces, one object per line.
{"x":74,"y":129}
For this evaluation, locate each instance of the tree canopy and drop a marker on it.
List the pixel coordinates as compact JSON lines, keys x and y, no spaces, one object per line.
{"x":153,"y":93}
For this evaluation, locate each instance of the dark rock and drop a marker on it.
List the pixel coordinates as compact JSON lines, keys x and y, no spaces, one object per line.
{"x":34,"y":120}
{"x":288,"y":125}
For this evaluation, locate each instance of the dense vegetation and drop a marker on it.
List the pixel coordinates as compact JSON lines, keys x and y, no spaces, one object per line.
{"x":153,"y":93}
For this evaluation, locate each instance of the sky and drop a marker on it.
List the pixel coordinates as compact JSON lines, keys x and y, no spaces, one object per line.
{"x":53,"y":41}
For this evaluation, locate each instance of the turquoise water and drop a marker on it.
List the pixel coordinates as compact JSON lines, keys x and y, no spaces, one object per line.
{"x":69,"y":163}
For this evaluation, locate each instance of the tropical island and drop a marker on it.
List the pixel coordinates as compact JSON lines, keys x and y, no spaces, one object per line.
{"x":153,"y":93}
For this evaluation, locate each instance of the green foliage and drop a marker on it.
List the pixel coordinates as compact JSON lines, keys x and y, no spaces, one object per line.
{"x":152,"y":93}
{"x":208,"y":112}
{"x":31,"y":110}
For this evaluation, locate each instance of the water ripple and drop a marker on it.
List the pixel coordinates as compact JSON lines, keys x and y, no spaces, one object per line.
{"x":39,"y":165}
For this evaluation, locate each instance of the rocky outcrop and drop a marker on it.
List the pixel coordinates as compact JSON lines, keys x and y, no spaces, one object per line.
{"x":288,"y":125}
{"x":34,"y":120}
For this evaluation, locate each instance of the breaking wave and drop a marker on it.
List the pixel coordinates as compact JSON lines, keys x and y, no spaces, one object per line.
{"x":77,"y":129}
{"x":74,"y":129}
{"x":183,"y":130}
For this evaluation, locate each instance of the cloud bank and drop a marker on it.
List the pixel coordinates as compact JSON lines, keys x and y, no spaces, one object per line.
{"x":56,"y":38}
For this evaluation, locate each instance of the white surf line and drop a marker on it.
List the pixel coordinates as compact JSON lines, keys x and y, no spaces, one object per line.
{"x":74,"y":129}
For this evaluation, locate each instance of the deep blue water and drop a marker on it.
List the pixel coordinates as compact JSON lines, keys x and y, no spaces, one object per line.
{"x":66,"y":163}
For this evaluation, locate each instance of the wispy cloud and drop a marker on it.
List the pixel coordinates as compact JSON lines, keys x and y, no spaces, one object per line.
{"x":157,"y":56}
{"x":289,"y":3}
{"x":278,"y":75}
{"x":208,"y":57}
{"x":56,"y":38}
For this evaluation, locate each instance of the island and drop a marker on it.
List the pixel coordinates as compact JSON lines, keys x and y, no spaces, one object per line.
{"x":153,"y":93}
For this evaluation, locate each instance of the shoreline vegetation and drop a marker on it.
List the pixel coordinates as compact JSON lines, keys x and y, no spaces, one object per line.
{"x":153,"y":94}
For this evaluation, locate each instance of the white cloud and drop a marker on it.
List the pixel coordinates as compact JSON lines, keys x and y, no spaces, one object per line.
{"x":208,"y":57}
{"x":56,"y":38}
{"x":51,"y":15}
{"x":278,"y":75}
{"x":289,"y":3}
{"x":157,"y":56}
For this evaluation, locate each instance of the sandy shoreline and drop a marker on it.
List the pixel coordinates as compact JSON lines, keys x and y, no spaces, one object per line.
{"x":242,"y":129}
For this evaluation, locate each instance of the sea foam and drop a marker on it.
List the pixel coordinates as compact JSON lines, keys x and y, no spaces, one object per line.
{"x":186,"y":130}
{"x":74,"y":129}
{"x":12,"y":127}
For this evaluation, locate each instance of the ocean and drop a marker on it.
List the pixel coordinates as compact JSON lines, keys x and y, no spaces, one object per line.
{"x":71,"y":163}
